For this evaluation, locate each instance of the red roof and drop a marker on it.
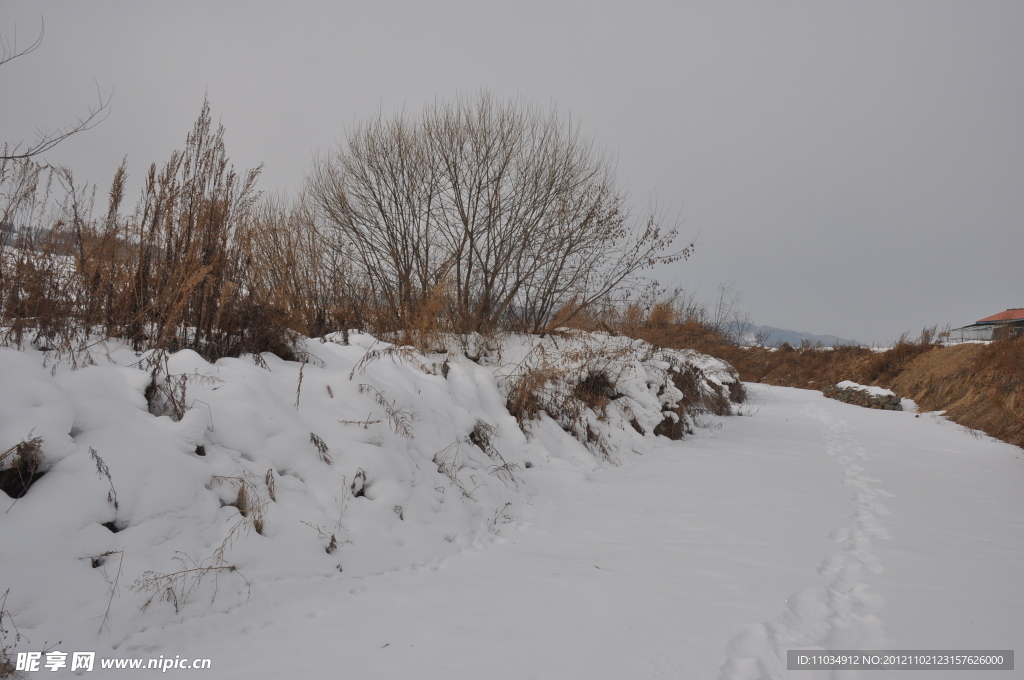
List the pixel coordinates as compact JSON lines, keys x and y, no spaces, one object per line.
{"x":1008,"y":315}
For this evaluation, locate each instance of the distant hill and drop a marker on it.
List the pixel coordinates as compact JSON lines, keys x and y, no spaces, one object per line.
{"x":774,"y":337}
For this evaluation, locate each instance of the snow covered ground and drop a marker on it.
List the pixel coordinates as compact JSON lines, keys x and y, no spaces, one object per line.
{"x":802,"y":523}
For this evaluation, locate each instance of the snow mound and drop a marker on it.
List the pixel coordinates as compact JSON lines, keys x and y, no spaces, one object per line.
{"x":168,"y":486}
{"x":870,"y":389}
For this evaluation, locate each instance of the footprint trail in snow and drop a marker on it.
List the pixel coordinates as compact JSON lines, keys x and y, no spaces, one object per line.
{"x":839,"y":610}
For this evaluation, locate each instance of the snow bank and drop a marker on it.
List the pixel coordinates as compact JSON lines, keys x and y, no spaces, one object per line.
{"x":866,"y":396}
{"x":870,"y":389}
{"x":169,"y":486}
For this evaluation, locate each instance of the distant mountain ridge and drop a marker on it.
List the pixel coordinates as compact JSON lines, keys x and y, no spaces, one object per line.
{"x":771,"y":336}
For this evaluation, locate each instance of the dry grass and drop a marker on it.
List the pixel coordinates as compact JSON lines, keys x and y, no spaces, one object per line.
{"x":8,"y":639}
{"x":250,"y":505}
{"x":200,"y":263}
{"x":271,"y":485}
{"x":667,"y":324}
{"x":482,"y":436}
{"x":573,"y":386}
{"x":104,"y":472}
{"x":979,"y":386}
{"x":167,"y":393}
{"x":19,"y":466}
{"x":178,"y":587}
{"x":400,"y":420}
{"x":528,"y":392}
{"x":447,"y":462}
{"x":321,"y":448}
{"x":396,"y":353}
{"x":816,"y":367}
{"x":700,"y":395}
{"x":806,"y":367}
{"x":329,"y":536}
{"x":112,"y":581}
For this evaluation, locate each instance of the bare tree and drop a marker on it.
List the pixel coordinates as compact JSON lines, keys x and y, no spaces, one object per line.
{"x":47,"y":139}
{"x":289,"y":261}
{"x":505,"y":208}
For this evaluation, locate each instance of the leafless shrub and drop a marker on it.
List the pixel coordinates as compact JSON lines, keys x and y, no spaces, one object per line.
{"x":186,"y":222}
{"x":497,"y":209}
{"x":36,"y":272}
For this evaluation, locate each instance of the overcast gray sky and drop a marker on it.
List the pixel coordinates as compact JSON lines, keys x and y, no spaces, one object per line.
{"x":855,"y":168}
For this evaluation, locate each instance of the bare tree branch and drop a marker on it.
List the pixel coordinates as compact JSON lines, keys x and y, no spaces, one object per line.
{"x":505,"y":208}
{"x":47,"y":139}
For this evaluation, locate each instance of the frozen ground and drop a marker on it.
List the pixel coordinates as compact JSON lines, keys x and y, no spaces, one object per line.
{"x":804,"y":523}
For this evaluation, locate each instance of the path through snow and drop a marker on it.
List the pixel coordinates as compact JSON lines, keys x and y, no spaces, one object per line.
{"x":810,"y":523}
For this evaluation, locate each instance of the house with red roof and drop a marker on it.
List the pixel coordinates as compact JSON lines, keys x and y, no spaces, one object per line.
{"x":1002,"y":325}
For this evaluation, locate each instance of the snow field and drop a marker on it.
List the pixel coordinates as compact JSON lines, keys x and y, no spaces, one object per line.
{"x":810,"y":524}
{"x":175,"y":489}
{"x":805,"y":523}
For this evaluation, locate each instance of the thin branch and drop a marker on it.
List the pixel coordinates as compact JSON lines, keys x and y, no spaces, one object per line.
{"x":47,"y":139}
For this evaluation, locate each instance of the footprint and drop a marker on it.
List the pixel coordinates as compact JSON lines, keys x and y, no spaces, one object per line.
{"x":841,"y":612}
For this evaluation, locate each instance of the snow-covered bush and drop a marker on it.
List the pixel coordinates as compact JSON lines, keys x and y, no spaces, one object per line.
{"x":593,"y":384}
